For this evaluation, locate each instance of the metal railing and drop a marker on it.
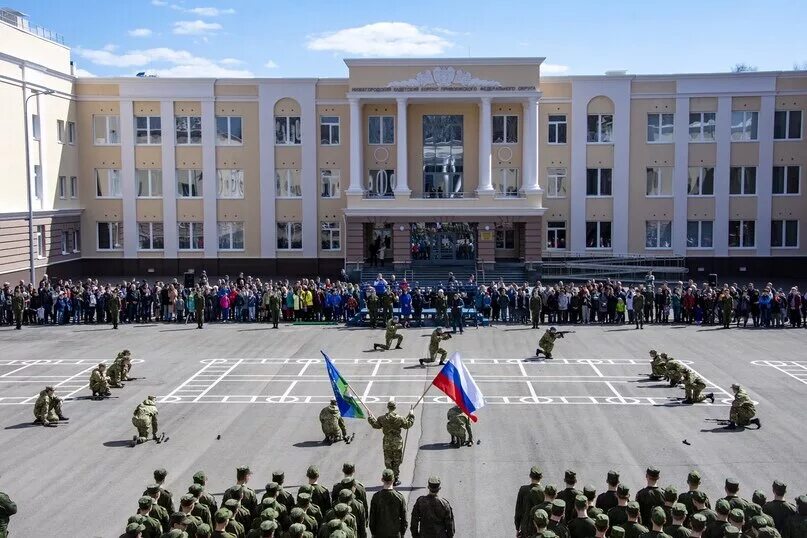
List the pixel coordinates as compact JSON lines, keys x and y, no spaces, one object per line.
{"x":427,"y":195}
{"x":370,"y":195}
{"x":19,"y":21}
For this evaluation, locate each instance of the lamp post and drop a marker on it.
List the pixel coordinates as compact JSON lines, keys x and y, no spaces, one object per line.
{"x":31,"y":268}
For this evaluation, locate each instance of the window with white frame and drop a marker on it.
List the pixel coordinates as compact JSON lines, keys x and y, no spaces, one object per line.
{"x":36,"y":129}
{"x":556,"y":183}
{"x":556,"y":234}
{"x":76,"y":240}
{"x":148,"y":130}
{"x":107,"y":183}
{"x":190,"y":183}
{"x":73,"y":187}
{"x":786,"y":179}
{"x":106,"y":130}
{"x":742,"y":233}
{"x":60,"y":132}
{"x":329,"y":130}
{"x":65,"y":242}
{"x":40,"y":241}
{"x":71,"y":132}
{"x":62,"y":187}
{"x":600,"y":128}
{"x":330,"y":179}
{"x":381,"y":129}
{"x":505,"y":129}
{"x":287,"y":131}
{"x":701,"y":181}
{"x":150,"y":236}
{"x":289,"y":235}
{"x":287,"y":183}
{"x":598,"y":234}
{"x":660,"y":128}
{"x":380,"y":183}
{"x":658,"y":234}
{"x":230,"y":183}
{"x":744,"y":125}
{"x":785,"y":233}
{"x":743,"y":180}
{"x":231,"y":235}
{"x":330,"y":235}
{"x":191,"y":235}
{"x":699,"y":233}
{"x":787,"y":125}
{"x":598,"y":182}
{"x":506,"y":182}
{"x":659,"y":181}
{"x":702,"y":126}
{"x":557,"y":129}
{"x":229,"y":131}
{"x":149,"y":182}
{"x":505,"y":236}
{"x":38,"y":186}
{"x":189,"y":130}
{"x":110,"y":236}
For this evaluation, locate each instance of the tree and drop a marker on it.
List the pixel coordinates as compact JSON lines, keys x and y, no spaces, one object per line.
{"x":743,"y":68}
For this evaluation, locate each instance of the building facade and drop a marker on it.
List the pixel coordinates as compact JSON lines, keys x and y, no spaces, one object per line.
{"x":472,"y":161}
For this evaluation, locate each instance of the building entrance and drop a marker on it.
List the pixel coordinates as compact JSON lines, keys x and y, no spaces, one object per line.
{"x":443,"y":241}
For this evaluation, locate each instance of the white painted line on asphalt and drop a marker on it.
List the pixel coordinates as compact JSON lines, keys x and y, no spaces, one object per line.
{"x":616,"y":392}
{"x":596,"y":370}
{"x":366,"y":391}
{"x":217,"y":381}
{"x":288,"y":391}
{"x":712,"y":385}
{"x":304,"y":368}
{"x":8,"y":374}
{"x":532,"y":390}
{"x":523,"y":370}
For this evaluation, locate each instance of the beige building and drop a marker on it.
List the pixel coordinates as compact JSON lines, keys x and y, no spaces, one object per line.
{"x":466,"y":162}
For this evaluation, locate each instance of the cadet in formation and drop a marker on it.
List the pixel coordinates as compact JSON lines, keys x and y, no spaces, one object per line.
{"x":693,"y":387}
{"x":459,"y":427}
{"x":99,"y":382}
{"x":674,"y":371}
{"x":391,"y":424}
{"x":387,"y":516}
{"x":438,"y":335}
{"x":7,"y":509}
{"x":390,"y":335}
{"x":547,"y":342}
{"x":432,"y":515}
{"x":48,"y":408}
{"x":145,"y":420}
{"x":333,"y":425}
{"x":743,"y":412}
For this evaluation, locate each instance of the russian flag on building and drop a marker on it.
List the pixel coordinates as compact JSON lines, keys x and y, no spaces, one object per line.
{"x":456,"y":381}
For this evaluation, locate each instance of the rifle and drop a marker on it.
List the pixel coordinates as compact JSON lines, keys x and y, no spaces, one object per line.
{"x":560,"y":334}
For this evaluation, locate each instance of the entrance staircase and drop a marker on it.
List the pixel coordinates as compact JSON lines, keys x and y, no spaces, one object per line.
{"x":626,"y":268}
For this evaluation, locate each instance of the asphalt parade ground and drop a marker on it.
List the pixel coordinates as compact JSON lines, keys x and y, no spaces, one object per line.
{"x":590,"y":409}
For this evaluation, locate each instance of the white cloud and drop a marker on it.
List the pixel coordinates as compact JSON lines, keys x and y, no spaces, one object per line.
{"x":210,"y":11}
{"x":270,"y":65}
{"x":381,"y":39}
{"x":197,"y":27}
{"x":158,"y":3}
{"x":553,"y":68}
{"x":110,"y":47}
{"x":230,"y":61}
{"x":446,"y":31}
{"x":165,"y":62}
{"x":83,"y":73}
{"x":140,"y":32}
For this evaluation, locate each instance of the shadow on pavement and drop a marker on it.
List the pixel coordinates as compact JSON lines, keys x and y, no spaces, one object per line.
{"x":118,"y":444}
{"x":23,"y":425}
{"x":723,"y":429}
{"x":308,"y":444}
{"x":620,"y":330}
{"x":255,"y":329}
{"x":175,"y":330}
{"x":437,"y":446}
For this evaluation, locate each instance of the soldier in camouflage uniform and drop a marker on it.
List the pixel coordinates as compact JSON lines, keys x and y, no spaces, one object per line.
{"x":48,"y":408}
{"x":114,"y":307}
{"x":655,"y":362}
{"x":274,"y":308}
{"x":144,"y":419}
{"x":440,"y":307}
{"x":391,"y":424}
{"x":115,"y":373}
{"x":199,"y":307}
{"x":372,"y":308}
{"x":693,"y":387}
{"x":434,"y":347}
{"x":432,"y":515}
{"x":459,"y":427}
{"x":674,"y":371}
{"x":742,"y":411}
{"x":125,"y":360}
{"x":547,"y":343}
{"x":18,"y":305}
{"x":99,"y":382}
{"x":390,"y":335}
{"x":333,"y":425}
{"x":387,"y":303}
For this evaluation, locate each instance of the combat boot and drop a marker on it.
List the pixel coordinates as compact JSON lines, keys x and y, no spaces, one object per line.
{"x":687,"y":401}
{"x":755,"y":421}
{"x":731,"y":426}
{"x":420,"y":361}
{"x":711,"y":397}
{"x":398,"y":346}
{"x":62,"y":417}
{"x":376,"y":347}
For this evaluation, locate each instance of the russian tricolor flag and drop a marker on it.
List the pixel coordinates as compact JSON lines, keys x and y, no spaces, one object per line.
{"x":456,"y":381}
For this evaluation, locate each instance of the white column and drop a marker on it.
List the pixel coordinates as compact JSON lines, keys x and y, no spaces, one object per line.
{"x":485,"y":143}
{"x":42,"y":152}
{"x":356,"y":145}
{"x":530,"y":147}
{"x":169,"y":178}
{"x":306,"y":96}
{"x":127,"y":161}
{"x":402,"y":168}
{"x":765,"y":175}
{"x":621,"y":174}
{"x":577,"y":170}
{"x":720,"y":230}
{"x":209,"y":177}
{"x":267,"y":96}
{"x":680,"y":176}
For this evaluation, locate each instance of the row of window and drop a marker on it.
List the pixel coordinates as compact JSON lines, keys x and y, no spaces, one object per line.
{"x":70,"y":241}
{"x":65,"y":131}
{"x":148,"y":130}
{"x":191,"y":235}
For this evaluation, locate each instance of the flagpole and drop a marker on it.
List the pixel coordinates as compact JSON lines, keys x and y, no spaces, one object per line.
{"x":358,"y":398}
{"x":417,"y":403}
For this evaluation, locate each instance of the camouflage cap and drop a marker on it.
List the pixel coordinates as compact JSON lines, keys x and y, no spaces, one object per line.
{"x":348,"y":482}
{"x":601,"y":522}
{"x":232,"y":504}
{"x":779,"y":487}
{"x":272,"y":488}
{"x":670,"y":494}
{"x":540,"y":518}
{"x":535,"y":472}
{"x":657,"y":516}
{"x":304,"y":498}
{"x":135,"y":527}
{"x":633,"y":508}
{"x":348,"y":468}
{"x":341,"y":509}
{"x":200,"y":477}
{"x":694,"y":477}
{"x":679,"y":510}
{"x":617,"y":532}
{"x":222,"y":515}
{"x":434,"y":482}
{"x":758,"y":497}
{"x":145,"y":502}
{"x":580,"y":502}
{"x":653,"y":352}
{"x":737,"y":515}
{"x":558,"y":507}
{"x":550,"y":490}
{"x":732,"y":484}
{"x":296,"y":530}
{"x":387,"y":475}
{"x":269,"y":525}
{"x":345,"y":495}
{"x":278,"y":476}
{"x":179,"y":517}
{"x":801,"y":500}
{"x":153,"y":488}
{"x":305,"y":488}
{"x":175,"y":533}
{"x":333,"y":525}
{"x":652,"y":472}
{"x":722,"y":507}
{"x":590,"y":492}
{"x":699,"y":497}
{"x":623,"y":491}
{"x":195,"y":489}
{"x":391,"y":404}
{"x":570,"y":477}
{"x":698,"y":522}
{"x":338,"y":534}
{"x":312,"y":471}
{"x":759,"y":522}
{"x":269,"y":514}
{"x":731,"y":531}
{"x":187,"y":499}
{"x":159,"y":474}
{"x":593,"y":512}
{"x":243,"y":470}
{"x":549,"y":534}
{"x":612,"y":478}
{"x":297,"y":513}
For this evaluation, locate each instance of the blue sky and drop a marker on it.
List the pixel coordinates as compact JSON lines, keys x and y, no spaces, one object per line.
{"x":309,"y":38}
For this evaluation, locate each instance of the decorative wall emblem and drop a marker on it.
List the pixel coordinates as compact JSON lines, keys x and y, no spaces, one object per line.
{"x":442,"y":77}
